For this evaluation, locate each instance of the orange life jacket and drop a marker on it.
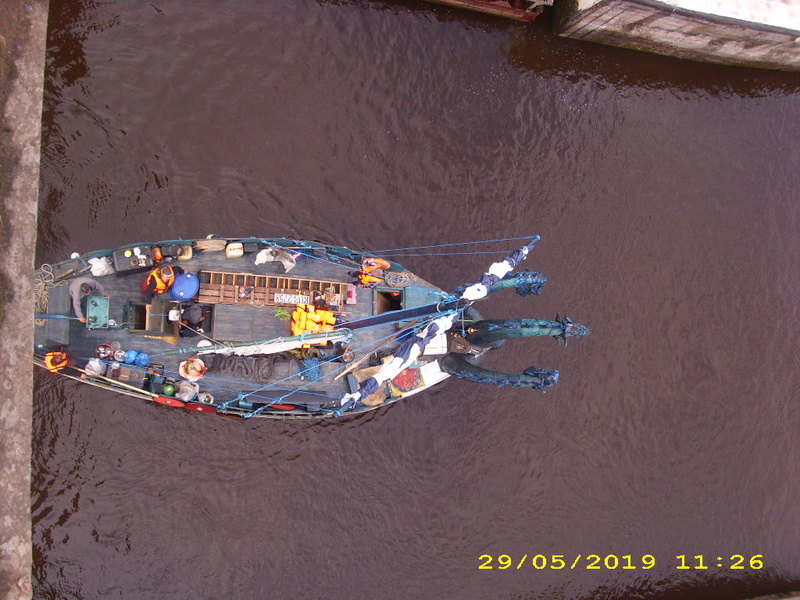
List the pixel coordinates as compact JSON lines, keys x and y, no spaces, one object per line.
{"x":55,"y":361}
{"x":372,"y":270}
{"x":161,"y":285}
{"x":306,"y":318}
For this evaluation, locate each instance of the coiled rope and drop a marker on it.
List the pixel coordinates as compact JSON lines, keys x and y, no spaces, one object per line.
{"x":43,"y":281}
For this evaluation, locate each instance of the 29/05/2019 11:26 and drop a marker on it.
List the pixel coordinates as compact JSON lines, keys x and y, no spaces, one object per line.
{"x":614,"y":561}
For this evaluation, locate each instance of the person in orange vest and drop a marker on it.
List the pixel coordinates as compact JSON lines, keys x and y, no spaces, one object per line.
{"x":159,"y":281}
{"x":371,"y":272}
{"x":56,"y":361}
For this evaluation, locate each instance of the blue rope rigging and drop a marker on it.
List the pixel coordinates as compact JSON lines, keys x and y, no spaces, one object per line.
{"x":331,"y":359}
{"x":281,"y":399}
{"x":341,"y":261}
{"x":514,"y":239}
{"x":445,"y":253}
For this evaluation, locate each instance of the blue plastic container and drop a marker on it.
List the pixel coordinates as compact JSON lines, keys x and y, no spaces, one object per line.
{"x":185,"y":287}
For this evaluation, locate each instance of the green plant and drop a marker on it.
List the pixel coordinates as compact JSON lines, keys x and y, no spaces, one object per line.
{"x":282,"y":314}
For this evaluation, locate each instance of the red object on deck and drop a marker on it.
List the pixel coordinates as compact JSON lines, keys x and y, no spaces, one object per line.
{"x":199,"y":407}
{"x":166,"y":401}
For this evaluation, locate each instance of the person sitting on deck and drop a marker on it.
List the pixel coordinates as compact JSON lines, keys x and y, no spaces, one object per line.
{"x":56,"y":361}
{"x":159,"y":281}
{"x":191,"y":319}
{"x":371,"y":273}
{"x":79,"y":289}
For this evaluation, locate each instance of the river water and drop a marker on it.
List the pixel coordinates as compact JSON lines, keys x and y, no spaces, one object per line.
{"x":665,"y":193}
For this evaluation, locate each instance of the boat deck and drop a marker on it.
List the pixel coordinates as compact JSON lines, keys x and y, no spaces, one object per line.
{"x":241,"y":308}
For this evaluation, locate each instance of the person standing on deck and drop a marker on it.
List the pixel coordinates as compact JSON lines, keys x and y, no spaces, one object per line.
{"x":80,"y":288}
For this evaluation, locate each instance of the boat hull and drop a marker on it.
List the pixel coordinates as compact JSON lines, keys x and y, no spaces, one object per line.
{"x":254,"y":365}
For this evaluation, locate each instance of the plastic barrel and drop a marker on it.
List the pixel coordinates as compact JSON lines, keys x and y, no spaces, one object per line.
{"x":185,"y":287}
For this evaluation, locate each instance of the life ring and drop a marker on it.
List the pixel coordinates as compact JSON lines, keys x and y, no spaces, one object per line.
{"x":167,"y":401}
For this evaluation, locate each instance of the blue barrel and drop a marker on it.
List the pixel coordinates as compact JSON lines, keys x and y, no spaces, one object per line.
{"x":185,"y":287}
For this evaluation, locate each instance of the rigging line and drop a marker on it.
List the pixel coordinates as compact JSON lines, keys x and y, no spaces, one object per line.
{"x":340,"y":261}
{"x":253,"y":413}
{"x":285,"y":396}
{"x":289,"y":392}
{"x":308,"y":252}
{"x":337,"y":260}
{"x":267,"y":386}
{"x":359,"y":349}
{"x":449,"y":253}
{"x":309,"y":393}
{"x":350,"y":264}
{"x":357,"y":267}
{"x":527,"y":237}
{"x":208,"y":381}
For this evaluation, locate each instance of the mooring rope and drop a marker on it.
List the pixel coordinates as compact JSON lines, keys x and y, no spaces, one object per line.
{"x":43,"y":281}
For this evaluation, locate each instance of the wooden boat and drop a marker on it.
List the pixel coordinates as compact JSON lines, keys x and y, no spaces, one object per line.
{"x":269,"y":327}
{"x":519,"y":10}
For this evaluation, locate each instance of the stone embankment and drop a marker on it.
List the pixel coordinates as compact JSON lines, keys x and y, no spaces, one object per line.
{"x":23,"y":33}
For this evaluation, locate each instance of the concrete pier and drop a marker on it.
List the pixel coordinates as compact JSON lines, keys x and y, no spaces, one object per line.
{"x":732,"y":32}
{"x":23,"y":33}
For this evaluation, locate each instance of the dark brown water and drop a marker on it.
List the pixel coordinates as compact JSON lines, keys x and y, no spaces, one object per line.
{"x":666,"y":196}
